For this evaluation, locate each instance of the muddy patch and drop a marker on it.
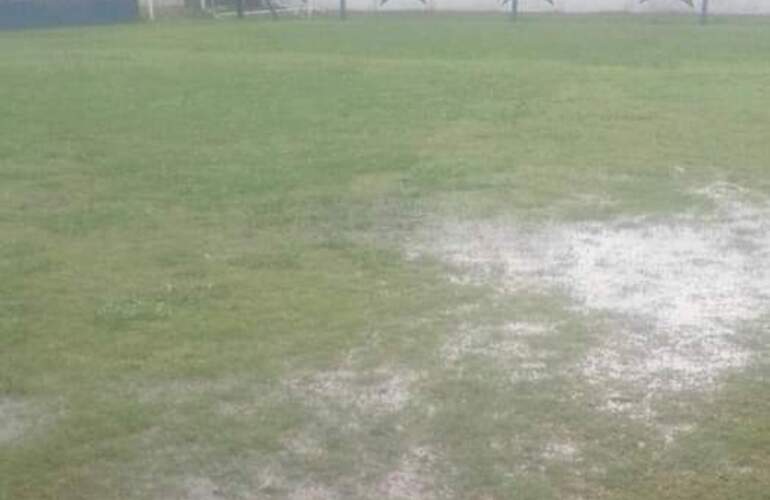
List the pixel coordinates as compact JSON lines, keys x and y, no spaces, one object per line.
{"x":678,"y":289}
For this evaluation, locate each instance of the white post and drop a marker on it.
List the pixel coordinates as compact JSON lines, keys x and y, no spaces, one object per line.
{"x":203,"y":5}
{"x":151,"y":10}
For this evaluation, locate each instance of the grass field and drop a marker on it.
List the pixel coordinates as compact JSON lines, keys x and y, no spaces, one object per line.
{"x":401,"y":257}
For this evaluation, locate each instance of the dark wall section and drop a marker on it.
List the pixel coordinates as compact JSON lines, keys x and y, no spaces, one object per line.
{"x":39,"y":13}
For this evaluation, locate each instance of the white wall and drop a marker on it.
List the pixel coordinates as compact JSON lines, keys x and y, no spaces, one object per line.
{"x":164,"y":3}
{"x":160,"y":5}
{"x":562,"y":6}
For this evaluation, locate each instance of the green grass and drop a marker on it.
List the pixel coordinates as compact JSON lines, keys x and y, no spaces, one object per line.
{"x":192,"y":214}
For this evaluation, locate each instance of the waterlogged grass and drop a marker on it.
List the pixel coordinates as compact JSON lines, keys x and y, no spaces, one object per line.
{"x":203,"y":292}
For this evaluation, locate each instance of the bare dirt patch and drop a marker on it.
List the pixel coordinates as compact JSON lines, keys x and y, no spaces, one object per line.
{"x":679,"y":288}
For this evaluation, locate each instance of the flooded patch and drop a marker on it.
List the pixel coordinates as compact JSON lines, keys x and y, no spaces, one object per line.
{"x":561,"y":451}
{"x":183,"y":390}
{"x":506,"y":346}
{"x":19,"y":419}
{"x":678,"y":290}
{"x":414,"y":478}
{"x":13,"y":424}
{"x":374,"y":393}
{"x":313,"y":492}
{"x":201,"y":488}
